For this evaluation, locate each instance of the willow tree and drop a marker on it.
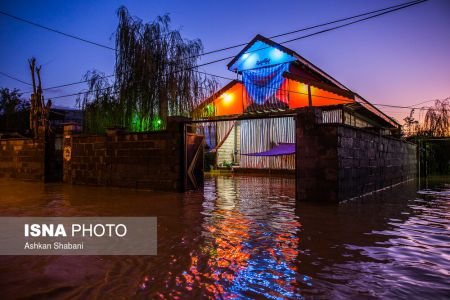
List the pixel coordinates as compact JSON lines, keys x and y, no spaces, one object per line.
{"x":156,"y":76}
{"x":99,"y":103}
{"x":437,"y":120}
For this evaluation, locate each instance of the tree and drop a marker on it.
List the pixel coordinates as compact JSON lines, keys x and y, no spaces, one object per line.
{"x":411,"y":124}
{"x":13,"y":110}
{"x":39,"y":110}
{"x":100,"y":103}
{"x":437,"y":120}
{"x":156,"y":76}
{"x":434,"y":148}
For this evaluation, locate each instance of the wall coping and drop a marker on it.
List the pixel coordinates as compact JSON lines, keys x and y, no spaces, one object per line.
{"x":19,"y":139}
{"x":367,"y":131}
{"x":120,"y":133}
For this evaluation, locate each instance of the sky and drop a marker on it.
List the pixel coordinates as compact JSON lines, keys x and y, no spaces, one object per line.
{"x":402,"y":58}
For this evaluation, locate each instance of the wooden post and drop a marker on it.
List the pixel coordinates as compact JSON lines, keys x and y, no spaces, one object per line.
{"x":309,"y":95}
{"x":343,"y":115}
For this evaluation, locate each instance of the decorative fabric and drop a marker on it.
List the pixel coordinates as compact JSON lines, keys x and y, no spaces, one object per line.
{"x":261,"y":135}
{"x":263,"y":84}
{"x":223,"y":130}
{"x":281,"y":149}
{"x":208,"y":130}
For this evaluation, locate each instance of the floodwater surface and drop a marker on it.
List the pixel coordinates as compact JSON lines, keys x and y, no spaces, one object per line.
{"x":243,"y":237}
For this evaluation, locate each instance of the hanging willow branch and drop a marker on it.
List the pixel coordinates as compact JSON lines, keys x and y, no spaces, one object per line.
{"x":155,"y":77}
{"x":99,"y":103}
{"x":437,"y":120}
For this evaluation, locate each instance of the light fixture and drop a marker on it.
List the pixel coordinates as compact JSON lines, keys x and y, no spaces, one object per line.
{"x":276,"y":53}
{"x":227,"y":98}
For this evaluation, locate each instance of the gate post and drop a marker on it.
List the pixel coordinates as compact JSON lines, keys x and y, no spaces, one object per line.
{"x":177,"y":127}
{"x":190,"y":146}
{"x":316,"y":157}
{"x":69,"y":130}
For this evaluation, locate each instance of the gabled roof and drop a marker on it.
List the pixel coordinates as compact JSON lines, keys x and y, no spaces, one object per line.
{"x":346,"y":93}
{"x":321,"y":85}
{"x":299,"y":58}
{"x":260,"y":52}
{"x":218,"y":93}
{"x":232,"y":66}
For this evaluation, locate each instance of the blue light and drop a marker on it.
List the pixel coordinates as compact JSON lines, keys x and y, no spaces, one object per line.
{"x":260,"y":55}
{"x":276,"y":54}
{"x":250,"y":62}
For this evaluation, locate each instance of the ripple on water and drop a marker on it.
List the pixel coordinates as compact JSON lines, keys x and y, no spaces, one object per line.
{"x":244,"y":237}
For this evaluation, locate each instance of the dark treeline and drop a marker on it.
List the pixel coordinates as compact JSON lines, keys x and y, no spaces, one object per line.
{"x":434,"y":157}
{"x":14,"y":112}
{"x":432,"y":137}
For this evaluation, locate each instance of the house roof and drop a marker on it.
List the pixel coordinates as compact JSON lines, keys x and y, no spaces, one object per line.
{"x":288,"y":51}
{"x":218,"y":93}
{"x":232,"y":66}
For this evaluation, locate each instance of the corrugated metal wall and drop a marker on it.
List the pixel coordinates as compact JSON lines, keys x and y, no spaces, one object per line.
{"x":332,"y":116}
{"x":259,"y":135}
{"x":226,"y":152}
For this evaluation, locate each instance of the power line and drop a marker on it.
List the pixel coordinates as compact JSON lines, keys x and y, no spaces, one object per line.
{"x":345,"y":19}
{"x":429,"y":101}
{"x":289,"y":91}
{"x":16,"y":79}
{"x":312,"y":34}
{"x":308,"y":35}
{"x":350,"y":101}
{"x":315,"y":33}
{"x":383,"y":11}
{"x":399,"y":6}
{"x":354,"y":22}
{"x":319,"y":32}
{"x":74,"y":83}
{"x":217,"y":50}
{"x":56,"y":31}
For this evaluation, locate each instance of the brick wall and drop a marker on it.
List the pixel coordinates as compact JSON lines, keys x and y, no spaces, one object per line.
{"x":316,"y":159}
{"x":369,"y":162}
{"x":137,"y":160}
{"x":22,"y":159}
{"x":336,"y":162}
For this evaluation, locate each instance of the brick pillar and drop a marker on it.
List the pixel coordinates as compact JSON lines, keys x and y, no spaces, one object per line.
{"x":316,"y":157}
{"x":42,"y":145}
{"x":176,"y":126}
{"x":69,"y":130}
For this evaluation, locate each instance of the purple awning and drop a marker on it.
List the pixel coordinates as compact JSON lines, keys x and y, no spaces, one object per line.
{"x":281,"y":149}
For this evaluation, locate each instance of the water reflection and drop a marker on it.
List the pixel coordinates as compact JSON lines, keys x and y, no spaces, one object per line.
{"x":249,"y":247}
{"x":243,"y":237}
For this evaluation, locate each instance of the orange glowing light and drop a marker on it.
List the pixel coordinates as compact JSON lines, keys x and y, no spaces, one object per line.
{"x":231,"y":102}
{"x":322,"y":97}
{"x":298,"y":94}
{"x":227,"y":98}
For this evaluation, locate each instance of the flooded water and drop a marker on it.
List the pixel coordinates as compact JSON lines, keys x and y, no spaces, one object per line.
{"x":243,"y":238}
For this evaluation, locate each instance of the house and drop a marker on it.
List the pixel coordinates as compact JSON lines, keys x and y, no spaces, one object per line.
{"x":250,"y":121}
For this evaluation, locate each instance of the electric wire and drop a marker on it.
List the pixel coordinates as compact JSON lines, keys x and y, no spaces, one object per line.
{"x":380,"y":13}
{"x":56,"y":31}
{"x":383,"y":11}
{"x":14,"y":78}
{"x":283,"y":90}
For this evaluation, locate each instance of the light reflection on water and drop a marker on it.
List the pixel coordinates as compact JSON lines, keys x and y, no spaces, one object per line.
{"x":243,"y":237}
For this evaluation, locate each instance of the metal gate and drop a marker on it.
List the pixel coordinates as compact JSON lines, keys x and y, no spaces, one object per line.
{"x":193,"y":158}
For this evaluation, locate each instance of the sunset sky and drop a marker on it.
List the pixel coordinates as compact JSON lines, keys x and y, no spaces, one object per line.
{"x":401,"y":58}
